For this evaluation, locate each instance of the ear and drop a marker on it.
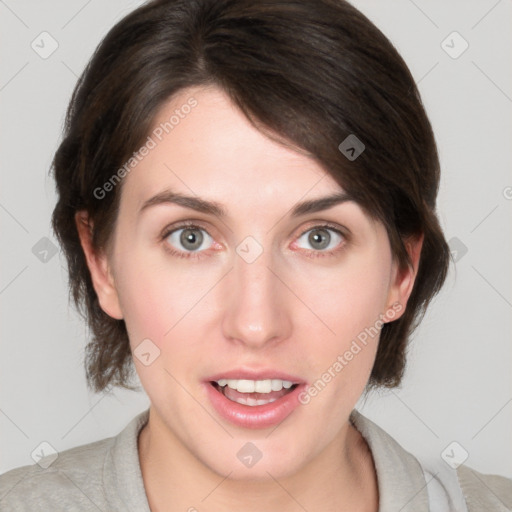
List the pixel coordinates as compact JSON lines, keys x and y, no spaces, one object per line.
{"x":403,"y":279}
{"x":101,"y":276}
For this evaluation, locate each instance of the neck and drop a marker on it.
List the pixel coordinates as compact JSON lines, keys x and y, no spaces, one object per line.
{"x":341,"y":478}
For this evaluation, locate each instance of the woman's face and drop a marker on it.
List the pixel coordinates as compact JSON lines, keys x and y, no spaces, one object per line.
{"x":260,"y":293}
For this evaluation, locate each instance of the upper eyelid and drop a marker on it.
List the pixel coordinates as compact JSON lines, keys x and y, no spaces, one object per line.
{"x":183,"y":225}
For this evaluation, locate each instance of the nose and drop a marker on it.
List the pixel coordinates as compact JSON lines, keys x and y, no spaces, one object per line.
{"x":256,"y":311}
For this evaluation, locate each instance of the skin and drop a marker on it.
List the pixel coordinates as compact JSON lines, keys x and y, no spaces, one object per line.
{"x":287,"y":310}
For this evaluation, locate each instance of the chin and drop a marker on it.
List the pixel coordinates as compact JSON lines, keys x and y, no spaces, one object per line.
{"x":252,"y":459}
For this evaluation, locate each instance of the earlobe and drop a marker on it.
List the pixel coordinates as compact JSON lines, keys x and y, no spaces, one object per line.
{"x":404,"y":278}
{"x":97,"y":263}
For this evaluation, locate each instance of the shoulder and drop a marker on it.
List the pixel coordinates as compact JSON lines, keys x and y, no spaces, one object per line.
{"x":464,"y":489}
{"x":434,"y":483}
{"x":103,"y":475}
{"x":74,"y":477}
{"x":485,"y":491}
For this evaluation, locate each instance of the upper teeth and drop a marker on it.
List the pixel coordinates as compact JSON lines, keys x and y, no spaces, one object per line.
{"x":255,"y":386}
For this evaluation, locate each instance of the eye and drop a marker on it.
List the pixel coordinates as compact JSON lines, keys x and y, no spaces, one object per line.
{"x":321,"y":238}
{"x":192,"y":241}
{"x":189,"y":239}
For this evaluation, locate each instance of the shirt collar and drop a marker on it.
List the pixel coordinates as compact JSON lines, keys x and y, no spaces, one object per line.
{"x":400,"y":479}
{"x":122,"y":474}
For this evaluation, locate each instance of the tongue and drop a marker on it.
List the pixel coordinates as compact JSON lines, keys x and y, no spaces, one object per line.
{"x":233,"y":394}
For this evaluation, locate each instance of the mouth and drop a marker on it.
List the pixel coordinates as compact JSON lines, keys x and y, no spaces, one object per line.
{"x":254,"y":403}
{"x":253,"y":392}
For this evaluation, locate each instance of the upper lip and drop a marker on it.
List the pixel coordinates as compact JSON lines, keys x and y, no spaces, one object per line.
{"x":251,"y":374}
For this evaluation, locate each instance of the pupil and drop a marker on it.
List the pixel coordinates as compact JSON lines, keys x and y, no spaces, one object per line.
{"x":191,"y":239}
{"x":322,"y":238}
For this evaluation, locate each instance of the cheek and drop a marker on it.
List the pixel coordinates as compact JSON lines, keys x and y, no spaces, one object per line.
{"x":348,"y":297}
{"x":350,"y":301}
{"x":159,"y":296}
{"x":156,"y":303}
{"x":146,"y":302}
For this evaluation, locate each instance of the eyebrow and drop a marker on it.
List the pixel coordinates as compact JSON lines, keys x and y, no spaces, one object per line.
{"x":214,"y":208}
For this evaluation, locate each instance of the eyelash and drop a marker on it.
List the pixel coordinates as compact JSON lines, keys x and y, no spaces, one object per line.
{"x":200,"y":254}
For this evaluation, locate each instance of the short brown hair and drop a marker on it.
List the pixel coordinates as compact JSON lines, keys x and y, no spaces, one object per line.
{"x":311,"y":72}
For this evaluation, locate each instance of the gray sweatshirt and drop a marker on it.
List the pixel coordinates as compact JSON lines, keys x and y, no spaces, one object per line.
{"x":106,"y":476}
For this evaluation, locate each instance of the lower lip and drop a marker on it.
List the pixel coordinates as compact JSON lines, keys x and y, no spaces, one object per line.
{"x":258,"y":416}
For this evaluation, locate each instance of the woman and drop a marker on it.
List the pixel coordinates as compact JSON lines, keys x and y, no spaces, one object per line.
{"x":246,"y":201}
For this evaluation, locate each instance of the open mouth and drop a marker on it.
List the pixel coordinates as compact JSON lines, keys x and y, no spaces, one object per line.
{"x":253,"y":392}
{"x":259,"y":403}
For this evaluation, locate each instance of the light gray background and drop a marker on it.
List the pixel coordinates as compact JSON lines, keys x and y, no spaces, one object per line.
{"x":458,"y":381}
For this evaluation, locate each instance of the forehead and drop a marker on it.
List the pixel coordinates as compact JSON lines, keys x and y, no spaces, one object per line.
{"x":212,"y":148}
